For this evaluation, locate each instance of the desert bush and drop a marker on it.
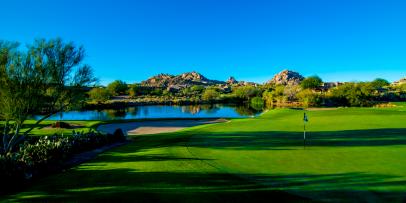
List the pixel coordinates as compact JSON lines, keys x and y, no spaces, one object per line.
{"x":99,"y":94}
{"x":39,"y":156}
{"x":247,"y":92}
{"x":210,"y":94}
{"x":309,"y":98}
{"x":117,"y":87}
{"x":311,"y":82}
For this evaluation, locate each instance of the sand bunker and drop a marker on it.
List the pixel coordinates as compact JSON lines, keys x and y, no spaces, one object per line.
{"x":154,"y":127}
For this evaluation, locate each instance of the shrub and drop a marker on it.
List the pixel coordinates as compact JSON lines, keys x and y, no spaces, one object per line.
{"x":99,"y":94}
{"x":308,"y":98}
{"x":118,"y":135}
{"x":38,"y":156}
{"x":353,"y":94}
{"x":117,"y":87}
{"x":247,"y":92}
{"x":61,"y":124}
{"x":311,"y":82}
{"x":210,"y":95}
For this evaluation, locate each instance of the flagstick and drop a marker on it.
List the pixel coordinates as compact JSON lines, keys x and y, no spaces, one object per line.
{"x":304,"y":136}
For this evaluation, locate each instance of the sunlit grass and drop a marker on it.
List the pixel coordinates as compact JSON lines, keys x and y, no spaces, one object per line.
{"x":352,"y":154}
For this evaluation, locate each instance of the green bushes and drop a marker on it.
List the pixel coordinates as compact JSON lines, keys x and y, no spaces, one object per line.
{"x":309,"y":98}
{"x":117,"y":87}
{"x":39,"y":156}
{"x":99,"y":94}
{"x":311,"y":82}
{"x":247,"y":92}
{"x":210,"y":94}
{"x":353,"y":94}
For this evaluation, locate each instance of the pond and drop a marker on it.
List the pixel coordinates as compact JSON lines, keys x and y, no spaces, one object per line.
{"x":160,"y":111}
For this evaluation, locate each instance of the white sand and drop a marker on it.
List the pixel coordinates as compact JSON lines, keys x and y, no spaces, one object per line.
{"x":154,"y":127}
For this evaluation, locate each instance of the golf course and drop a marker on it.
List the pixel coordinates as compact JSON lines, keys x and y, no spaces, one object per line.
{"x":351,"y":154}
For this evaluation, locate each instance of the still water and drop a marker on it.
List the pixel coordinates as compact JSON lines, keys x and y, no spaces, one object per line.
{"x":160,"y":111}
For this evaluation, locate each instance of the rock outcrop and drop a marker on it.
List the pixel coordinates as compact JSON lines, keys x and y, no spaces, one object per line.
{"x":286,"y":77}
{"x":182,"y":80}
{"x":231,"y":80}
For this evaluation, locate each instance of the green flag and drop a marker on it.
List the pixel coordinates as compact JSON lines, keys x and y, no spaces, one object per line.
{"x":305,"y":118}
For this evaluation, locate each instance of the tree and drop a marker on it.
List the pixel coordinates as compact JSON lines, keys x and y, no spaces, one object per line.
{"x":45,"y":79}
{"x":210,"y":94}
{"x":402,"y":87}
{"x":99,"y":94}
{"x":311,"y":82}
{"x":290,"y":91}
{"x":117,"y":87}
{"x":276,"y":94}
{"x":247,"y":92}
{"x":379,"y":83}
{"x":197,"y":88}
{"x":353,"y":94}
{"x":308,"y":98}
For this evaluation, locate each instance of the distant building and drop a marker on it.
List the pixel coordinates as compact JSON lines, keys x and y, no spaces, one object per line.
{"x":328,"y":85}
{"x":325,"y":86}
{"x":399,"y":82}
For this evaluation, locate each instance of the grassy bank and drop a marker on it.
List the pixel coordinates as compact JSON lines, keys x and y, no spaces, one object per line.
{"x":45,"y":128}
{"x":352,"y":154}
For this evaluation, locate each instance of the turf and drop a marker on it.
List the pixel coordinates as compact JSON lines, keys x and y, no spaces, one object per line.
{"x":45,"y":129}
{"x":352,"y":154}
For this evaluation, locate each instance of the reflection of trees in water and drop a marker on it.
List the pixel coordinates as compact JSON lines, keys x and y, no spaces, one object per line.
{"x":97,"y":115}
{"x":145,"y":111}
{"x":133,"y":111}
{"x":162,"y":111}
{"x":192,"y":109}
{"x":116,"y":113}
{"x":257,"y":106}
{"x":246,"y":110}
{"x":210,"y":108}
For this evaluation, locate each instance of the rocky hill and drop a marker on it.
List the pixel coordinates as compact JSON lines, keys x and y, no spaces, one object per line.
{"x":231,"y":80}
{"x":286,"y":77}
{"x":183,"y":80}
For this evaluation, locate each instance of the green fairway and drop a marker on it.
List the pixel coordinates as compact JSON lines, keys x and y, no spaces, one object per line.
{"x":352,"y":154}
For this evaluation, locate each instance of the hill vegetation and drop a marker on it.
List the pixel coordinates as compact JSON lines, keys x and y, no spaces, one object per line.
{"x":287,"y":88}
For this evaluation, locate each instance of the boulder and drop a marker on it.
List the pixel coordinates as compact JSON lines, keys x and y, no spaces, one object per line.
{"x":61,"y":124}
{"x":286,"y":77}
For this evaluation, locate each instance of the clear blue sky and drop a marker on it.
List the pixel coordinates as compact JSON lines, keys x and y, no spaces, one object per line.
{"x":252,"y":40}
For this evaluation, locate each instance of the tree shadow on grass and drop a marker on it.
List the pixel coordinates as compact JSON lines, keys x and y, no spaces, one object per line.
{"x":155,"y":157}
{"x":128,"y":185}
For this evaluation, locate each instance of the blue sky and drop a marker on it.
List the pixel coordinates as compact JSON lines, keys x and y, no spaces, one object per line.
{"x":339,"y":40}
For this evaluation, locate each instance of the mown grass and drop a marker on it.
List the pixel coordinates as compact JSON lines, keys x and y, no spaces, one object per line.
{"x":353,"y":154}
{"x":45,"y":129}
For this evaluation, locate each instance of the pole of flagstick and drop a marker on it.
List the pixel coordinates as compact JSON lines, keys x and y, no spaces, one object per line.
{"x":304,"y":135}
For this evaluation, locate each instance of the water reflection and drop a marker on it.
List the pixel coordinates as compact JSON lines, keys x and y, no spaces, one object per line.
{"x":162,"y":111}
{"x":246,"y":111}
